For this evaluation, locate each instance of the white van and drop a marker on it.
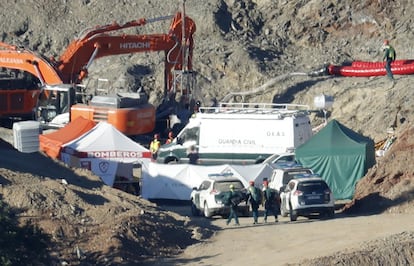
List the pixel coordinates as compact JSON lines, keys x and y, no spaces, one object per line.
{"x":280,"y":158}
{"x":239,"y":134}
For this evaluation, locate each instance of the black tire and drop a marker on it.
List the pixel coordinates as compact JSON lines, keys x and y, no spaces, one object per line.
{"x":283,"y":212}
{"x":206,"y":211}
{"x":246,"y":212}
{"x":327,"y":214}
{"x":330,"y":214}
{"x":292,"y":214}
{"x":194,"y":211}
{"x":172,"y":161}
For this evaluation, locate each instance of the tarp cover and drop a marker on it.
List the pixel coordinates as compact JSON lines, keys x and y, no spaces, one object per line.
{"x":105,"y":151}
{"x":51,"y":143}
{"x":166,"y":181}
{"x":340,"y":155}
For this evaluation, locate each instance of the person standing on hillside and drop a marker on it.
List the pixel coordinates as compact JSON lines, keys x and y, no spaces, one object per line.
{"x":255,"y":198}
{"x":389,"y":57}
{"x":154,"y":146}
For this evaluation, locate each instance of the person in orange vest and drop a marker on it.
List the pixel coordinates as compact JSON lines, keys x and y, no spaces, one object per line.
{"x":170,"y":137}
{"x":154,"y":146}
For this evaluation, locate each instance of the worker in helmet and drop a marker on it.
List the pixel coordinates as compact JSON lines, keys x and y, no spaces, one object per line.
{"x":154,"y":146}
{"x":254,"y":196}
{"x":389,"y":57}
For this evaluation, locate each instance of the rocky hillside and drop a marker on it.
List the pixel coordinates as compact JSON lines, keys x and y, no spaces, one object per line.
{"x":240,"y":45}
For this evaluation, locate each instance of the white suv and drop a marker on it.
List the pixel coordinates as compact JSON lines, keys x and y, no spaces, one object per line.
{"x":284,"y":173}
{"x":207,"y":198}
{"x":307,"y":196}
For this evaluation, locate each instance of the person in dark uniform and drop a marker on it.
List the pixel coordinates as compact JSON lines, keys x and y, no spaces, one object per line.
{"x":232,"y":200}
{"x":193,"y":155}
{"x":271,"y":201}
{"x":254,"y":196}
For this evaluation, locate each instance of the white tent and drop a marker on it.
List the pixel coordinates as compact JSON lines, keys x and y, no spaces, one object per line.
{"x":254,"y":172}
{"x":106,"y":152}
{"x":163,"y":181}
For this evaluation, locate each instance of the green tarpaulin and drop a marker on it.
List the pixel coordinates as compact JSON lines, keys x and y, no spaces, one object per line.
{"x":340,"y":155}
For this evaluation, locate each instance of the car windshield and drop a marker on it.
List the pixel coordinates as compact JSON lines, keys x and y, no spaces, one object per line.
{"x":225,"y":185}
{"x":312,"y":186}
{"x":280,"y":159}
{"x":286,"y":159}
{"x":287,"y":176}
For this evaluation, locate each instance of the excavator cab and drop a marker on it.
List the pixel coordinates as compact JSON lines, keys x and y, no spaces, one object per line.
{"x":18,"y":94}
{"x":53,"y":108}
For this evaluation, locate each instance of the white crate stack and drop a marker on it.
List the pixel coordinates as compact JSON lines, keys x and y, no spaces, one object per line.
{"x":26,"y":136}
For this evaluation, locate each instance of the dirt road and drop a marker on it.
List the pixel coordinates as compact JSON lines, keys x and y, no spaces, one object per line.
{"x":288,"y":242}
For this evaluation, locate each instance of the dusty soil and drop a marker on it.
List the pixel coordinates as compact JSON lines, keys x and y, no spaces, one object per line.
{"x":113,"y":227}
{"x":345,"y":240}
{"x":240,"y":45}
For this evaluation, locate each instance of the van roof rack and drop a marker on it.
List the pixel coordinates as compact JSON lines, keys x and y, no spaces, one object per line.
{"x":257,"y":108}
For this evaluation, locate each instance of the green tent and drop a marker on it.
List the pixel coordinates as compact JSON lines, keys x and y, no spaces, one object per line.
{"x":340,"y":155}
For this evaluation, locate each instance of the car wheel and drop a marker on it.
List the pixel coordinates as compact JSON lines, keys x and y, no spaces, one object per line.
{"x":172,"y":161}
{"x":327,"y":214}
{"x":194,"y":210}
{"x":246,"y":212}
{"x":293,"y":215}
{"x":207,"y":212}
{"x":330,"y":214}
{"x":283,"y":211}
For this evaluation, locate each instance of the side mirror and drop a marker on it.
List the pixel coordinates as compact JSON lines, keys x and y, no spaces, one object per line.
{"x":194,"y":188}
{"x":179,"y":141}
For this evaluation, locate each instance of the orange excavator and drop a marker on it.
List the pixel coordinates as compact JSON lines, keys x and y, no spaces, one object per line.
{"x":30,"y":83}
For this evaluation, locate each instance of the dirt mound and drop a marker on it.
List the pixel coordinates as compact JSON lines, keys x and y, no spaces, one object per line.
{"x":389,"y":185}
{"x":89,"y":223}
{"x":394,"y":250}
{"x":239,"y":45}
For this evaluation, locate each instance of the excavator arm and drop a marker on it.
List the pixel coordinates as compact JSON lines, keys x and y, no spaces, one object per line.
{"x":75,"y":61}
{"x":12,"y":57}
{"x":129,"y":113}
{"x":19,"y":91}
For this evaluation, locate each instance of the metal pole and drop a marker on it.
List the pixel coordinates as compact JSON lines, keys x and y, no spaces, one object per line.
{"x":183,"y":40}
